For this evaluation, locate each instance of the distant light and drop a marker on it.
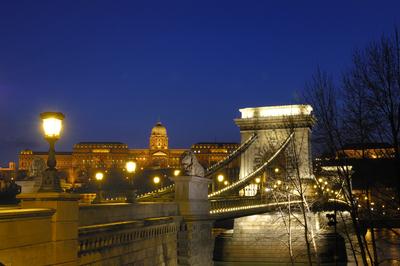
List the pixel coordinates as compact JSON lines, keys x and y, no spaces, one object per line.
{"x":258,"y":180}
{"x":130,"y":166}
{"x":226,"y":182}
{"x":320,"y":180}
{"x":156,"y":180}
{"x":276,"y":170}
{"x":99,"y":176}
{"x":177,"y":172}
{"x":279,"y":182}
{"x":220,"y":178}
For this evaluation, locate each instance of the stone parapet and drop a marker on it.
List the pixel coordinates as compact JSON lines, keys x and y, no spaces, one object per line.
{"x":64,"y":223}
{"x":25,"y":236}
{"x":92,"y":214}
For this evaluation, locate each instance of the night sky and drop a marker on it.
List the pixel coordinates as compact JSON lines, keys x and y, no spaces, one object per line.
{"x":115,"y":67}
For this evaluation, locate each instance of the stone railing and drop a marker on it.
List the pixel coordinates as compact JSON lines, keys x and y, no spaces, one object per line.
{"x":105,"y":236}
{"x":107,"y":213}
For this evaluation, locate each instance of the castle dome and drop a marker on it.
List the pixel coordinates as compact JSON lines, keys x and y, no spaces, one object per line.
{"x":158,"y":137}
{"x":159,"y":130}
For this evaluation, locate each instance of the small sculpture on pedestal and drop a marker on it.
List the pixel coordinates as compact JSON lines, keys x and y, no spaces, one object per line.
{"x":190,"y":165}
{"x":36,"y":171}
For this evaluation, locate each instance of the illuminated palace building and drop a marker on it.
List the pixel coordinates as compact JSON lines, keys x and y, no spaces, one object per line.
{"x":88,"y":157}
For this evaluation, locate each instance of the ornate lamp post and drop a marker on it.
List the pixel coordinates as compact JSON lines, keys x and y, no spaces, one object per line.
{"x":52,"y":126}
{"x":99,"y":195}
{"x":131,"y":168}
{"x":220,"y":179}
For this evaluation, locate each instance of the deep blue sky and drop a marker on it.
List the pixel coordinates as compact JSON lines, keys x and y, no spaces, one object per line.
{"x":115,"y":67}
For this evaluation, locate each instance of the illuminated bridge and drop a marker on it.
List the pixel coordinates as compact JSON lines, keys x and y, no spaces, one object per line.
{"x":173,"y":225}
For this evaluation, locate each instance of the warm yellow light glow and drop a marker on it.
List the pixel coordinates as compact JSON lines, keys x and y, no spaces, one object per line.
{"x":130,"y":166}
{"x":226,"y":182}
{"x":326,"y":183}
{"x":99,"y":176}
{"x":320,"y":180}
{"x":220,"y":178}
{"x":279,"y":182}
{"x":177,"y":172}
{"x":273,"y":111}
{"x":258,"y":180}
{"x":156,"y":180}
{"x":276,"y":170}
{"x":52,"y":127}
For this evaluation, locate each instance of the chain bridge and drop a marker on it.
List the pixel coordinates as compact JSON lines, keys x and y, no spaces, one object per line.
{"x":174,"y":225}
{"x":271,"y":137}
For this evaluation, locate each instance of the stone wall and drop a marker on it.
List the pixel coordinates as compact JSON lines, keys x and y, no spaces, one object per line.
{"x":52,"y":229}
{"x":264,"y":238}
{"x":25,"y":236}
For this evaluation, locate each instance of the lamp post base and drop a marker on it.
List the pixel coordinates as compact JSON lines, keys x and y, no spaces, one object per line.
{"x":50,"y":181}
{"x":99,"y":197}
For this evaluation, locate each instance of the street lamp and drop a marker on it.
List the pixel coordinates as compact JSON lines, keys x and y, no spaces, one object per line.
{"x":156,"y":180}
{"x":99,"y":195}
{"x":130,"y":168}
{"x":99,"y":176}
{"x":52,"y":126}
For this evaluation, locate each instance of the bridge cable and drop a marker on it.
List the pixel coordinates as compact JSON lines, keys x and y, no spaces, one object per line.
{"x":253,"y":174}
{"x":243,"y":147}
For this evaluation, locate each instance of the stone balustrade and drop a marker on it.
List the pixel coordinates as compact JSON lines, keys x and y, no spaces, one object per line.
{"x":95,"y":238}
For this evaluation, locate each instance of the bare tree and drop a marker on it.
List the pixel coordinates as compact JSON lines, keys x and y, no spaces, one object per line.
{"x":323,"y":96}
{"x":376,"y":73}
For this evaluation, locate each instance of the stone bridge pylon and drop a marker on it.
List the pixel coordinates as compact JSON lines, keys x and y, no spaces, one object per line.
{"x":274,"y":125}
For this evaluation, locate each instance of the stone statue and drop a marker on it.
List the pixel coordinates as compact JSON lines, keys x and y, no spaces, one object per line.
{"x":191,"y":165}
{"x":37,"y":167}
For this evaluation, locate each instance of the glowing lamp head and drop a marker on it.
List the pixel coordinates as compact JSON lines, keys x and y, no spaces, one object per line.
{"x":220,"y":178}
{"x":99,"y":176}
{"x":130,"y":167}
{"x":258,"y":180}
{"x":156,"y":180}
{"x":177,"y":172}
{"x":276,"y":170}
{"x":52,"y":124}
{"x":226,"y":182}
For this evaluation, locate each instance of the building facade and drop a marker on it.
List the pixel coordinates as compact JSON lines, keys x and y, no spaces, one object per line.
{"x":87,"y":158}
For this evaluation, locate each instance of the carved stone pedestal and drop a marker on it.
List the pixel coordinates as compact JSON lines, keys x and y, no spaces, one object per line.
{"x":195,"y":240}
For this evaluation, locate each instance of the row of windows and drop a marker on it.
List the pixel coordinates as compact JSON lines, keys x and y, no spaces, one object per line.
{"x":227,"y":146}
{"x":102,"y":146}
